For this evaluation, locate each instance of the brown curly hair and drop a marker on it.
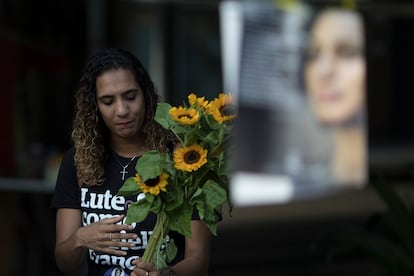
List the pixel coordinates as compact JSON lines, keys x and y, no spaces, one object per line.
{"x":90,"y":135}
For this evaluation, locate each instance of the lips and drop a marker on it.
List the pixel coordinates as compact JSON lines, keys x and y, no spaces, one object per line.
{"x":329,"y":96}
{"x":125,"y":124}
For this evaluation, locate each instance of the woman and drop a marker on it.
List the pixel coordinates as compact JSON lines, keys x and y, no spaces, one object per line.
{"x":335,"y":82}
{"x":113,"y":125}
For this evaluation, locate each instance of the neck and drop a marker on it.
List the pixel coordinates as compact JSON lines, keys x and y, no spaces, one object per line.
{"x":350,"y":154}
{"x":128,"y":147}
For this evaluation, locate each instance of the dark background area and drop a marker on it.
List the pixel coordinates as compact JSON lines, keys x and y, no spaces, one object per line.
{"x":43,"y":46}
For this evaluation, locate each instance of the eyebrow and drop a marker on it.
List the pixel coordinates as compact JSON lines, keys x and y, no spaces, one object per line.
{"x":123,"y":93}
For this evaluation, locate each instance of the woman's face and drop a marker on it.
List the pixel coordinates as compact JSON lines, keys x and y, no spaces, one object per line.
{"x":335,"y":67}
{"x":121,"y":103}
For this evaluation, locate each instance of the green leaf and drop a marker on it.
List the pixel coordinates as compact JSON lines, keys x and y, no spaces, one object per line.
{"x":208,"y":202}
{"x":200,"y":205}
{"x":152,"y":163}
{"x":212,"y":137}
{"x":138,"y":211}
{"x":212,"y":226}
{"x":214,"y":194}
{"x":180,"y":130}
{"x":149,"y":197}
{"x":162,"y":115}
{"x":198,"y":201}
{"x":189,"y":135}
{"x":210,"y":122}
{"x":156,"y":204}
{"x":197,"y":193}
{"x":170,"y":250}
{"x":174,"y":199}
{"x":167,"y":254}
{"x":180,"y":219}
{"x":160,"y":260}
{"x":130,"y":187}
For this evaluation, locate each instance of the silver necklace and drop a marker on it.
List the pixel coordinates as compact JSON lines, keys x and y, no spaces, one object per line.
{"x":124,"y":171}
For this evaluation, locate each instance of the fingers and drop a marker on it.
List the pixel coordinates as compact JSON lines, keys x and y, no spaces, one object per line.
{"x":115,"y":243}
{"x":117,"y":236}
{"x":143,"y":266}
{"x":141,"y":272}
{"x":116,"y":240}
{"x":112,"y":224}
{"x":112,"y":220}
{"x":115,"y":233}
{"x":108,"y":236}
{"x":119,"y":244}
{"x":111,"y":251}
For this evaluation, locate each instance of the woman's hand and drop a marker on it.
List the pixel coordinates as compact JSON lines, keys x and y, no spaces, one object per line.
{"x":105,"y":236}
{"x":73,"y":240}
{"x":143,"y":269}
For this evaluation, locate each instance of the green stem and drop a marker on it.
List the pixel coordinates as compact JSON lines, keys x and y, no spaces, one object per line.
{"x":158,"y":234}
{"x":178,"y":136}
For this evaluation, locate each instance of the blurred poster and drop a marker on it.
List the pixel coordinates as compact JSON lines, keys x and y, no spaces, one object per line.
{"x":298,"y":75}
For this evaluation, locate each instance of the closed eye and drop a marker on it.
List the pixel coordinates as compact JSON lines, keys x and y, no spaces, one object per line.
{"x":106,"y":100}
{"x":348,"y":51}
{"x":131,"y":95}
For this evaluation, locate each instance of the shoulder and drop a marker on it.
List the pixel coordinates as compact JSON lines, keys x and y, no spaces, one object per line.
{"x":69,"y":157}
{"x":67,"y":165}
{"x":66,"y":193}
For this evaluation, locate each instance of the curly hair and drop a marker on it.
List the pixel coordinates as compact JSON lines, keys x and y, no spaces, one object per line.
{"x":90,"y":135}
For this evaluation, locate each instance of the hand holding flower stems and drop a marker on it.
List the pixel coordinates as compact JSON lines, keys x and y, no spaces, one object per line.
{"x":194,"y":179}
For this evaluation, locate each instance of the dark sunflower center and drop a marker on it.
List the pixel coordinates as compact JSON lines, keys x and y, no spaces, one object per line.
{"x":185,"y":116}
{"x":152,"y":181}
{"x":191,"y":157}
{"x":228,"y":110}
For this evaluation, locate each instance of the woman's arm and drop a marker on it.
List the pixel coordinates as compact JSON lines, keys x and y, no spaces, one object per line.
{"x":197,"y":251}
{"x":196,"y":257}
{"x":70,"y":257}
{"x":73,"y":240}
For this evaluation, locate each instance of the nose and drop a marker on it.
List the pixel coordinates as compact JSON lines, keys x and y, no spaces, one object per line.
{"x":121,"y":108}
{"x":325,"y":65}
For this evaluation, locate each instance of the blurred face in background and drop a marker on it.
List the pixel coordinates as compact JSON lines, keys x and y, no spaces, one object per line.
{"x":335,"y":67}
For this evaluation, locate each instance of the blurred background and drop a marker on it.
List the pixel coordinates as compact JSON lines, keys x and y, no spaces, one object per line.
{"x":43,"y":47}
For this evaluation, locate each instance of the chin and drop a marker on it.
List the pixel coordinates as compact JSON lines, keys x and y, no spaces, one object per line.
{"x":339,"y":121}
{"x":331,"y":118}
{"x":127,"y":134}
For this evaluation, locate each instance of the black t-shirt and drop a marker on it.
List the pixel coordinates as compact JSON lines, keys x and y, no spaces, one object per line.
{"x":99,"y":202}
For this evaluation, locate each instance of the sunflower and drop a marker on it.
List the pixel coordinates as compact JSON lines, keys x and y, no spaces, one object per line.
{"x":185,"y":116}
{"x":154,"y":185}
{"x":193,"y":100}
{"x":222,"y":108}
{"x":190,"y":158}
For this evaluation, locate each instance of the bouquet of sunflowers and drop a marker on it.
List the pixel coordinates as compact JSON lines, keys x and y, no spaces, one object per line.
{"x":194,"y":178}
